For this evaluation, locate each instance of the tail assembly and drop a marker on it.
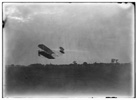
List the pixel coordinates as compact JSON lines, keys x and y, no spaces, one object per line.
{"x":62,"y":50}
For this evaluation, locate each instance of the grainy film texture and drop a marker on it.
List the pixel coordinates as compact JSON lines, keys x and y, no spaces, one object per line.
{"x":68,"y":49}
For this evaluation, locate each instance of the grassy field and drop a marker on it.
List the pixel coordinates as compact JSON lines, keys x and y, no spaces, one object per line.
{"x":98,"y":79}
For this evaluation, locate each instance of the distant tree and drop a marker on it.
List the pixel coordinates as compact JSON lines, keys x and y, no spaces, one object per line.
{"x":116,"y":60}
{"x":112,"y":60}
{"x":85,"y":63}
{"x":95,"y":62}
{"x":74,"y":62}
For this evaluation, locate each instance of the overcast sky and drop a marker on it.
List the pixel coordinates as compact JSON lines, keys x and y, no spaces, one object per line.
{"x":91,"y":32}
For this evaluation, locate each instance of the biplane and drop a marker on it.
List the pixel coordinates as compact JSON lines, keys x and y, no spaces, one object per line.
{"x":48,"y":53}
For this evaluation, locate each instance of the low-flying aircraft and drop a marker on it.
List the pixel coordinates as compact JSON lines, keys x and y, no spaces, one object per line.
{"x":48,"y":53}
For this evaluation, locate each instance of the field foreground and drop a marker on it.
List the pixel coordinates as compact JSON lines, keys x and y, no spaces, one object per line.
{"x":109,"y":80}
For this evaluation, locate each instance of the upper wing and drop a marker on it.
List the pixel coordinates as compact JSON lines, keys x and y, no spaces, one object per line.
{"x":46,"y":49}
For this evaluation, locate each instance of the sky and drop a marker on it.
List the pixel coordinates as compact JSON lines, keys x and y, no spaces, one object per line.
{"x":89,"y":32}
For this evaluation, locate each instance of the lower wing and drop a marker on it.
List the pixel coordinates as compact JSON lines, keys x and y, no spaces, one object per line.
{"x":45,"y":48}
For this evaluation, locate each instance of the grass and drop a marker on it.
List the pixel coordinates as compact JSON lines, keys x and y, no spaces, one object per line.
{"x":73,"y":79}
